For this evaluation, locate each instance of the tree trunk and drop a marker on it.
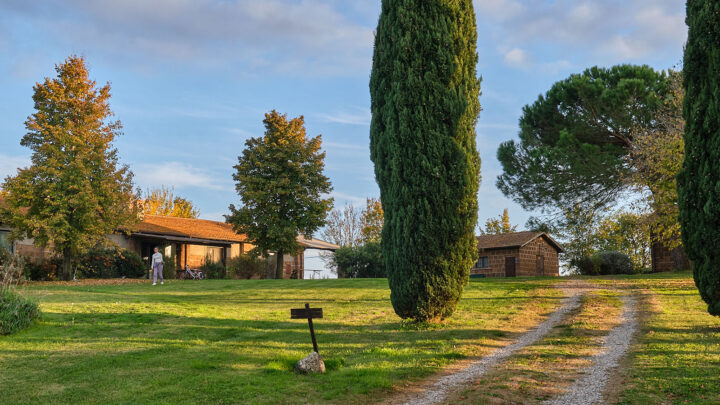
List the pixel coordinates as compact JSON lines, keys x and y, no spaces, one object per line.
{"x":67,"y":265}
{"x":279,"y":265}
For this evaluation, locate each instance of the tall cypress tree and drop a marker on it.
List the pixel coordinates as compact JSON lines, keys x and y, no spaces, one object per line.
{"x":424,"y":89}
{"x":699,"y":180}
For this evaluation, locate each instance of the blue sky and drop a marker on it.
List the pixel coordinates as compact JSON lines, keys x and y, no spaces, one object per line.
{"x":191,"y":79}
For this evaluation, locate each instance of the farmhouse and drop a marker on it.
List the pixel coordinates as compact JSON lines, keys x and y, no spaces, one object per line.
{"x":517,"y":254}
{"x":193,"y":241}
{"x":189,"y":241}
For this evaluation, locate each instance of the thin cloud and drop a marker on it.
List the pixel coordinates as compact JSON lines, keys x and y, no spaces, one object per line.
{"x":343,"y":198}
{"x":176,"y":174}
{"x":359,"y":116}
{"x":309,"y":36}
{"x":350,"y":146}
{"x":613,"y":30}
{"x":516,"y":57}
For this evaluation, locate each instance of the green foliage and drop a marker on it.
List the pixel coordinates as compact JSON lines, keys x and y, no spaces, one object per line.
{"x":583,"y":232}
{"x":699,"y":179}
{"x":74,"y":193}
{"x":372,"y":220}
{"x":111,"y":263}
{"x":163,"y":201}
{"x":130,"y":264}
{"x":212,"y":269}
{"x":499,"y":225}
{"x":424,"y":99}
{"x":16,"y":312}
{"x":657,"y":155}
{"x":605,"y":263}
{"x":246,"y":266}
{"x":363,"y":261}
{"x":43,"y":270}
{"x":625,"y":232}
{"x":574,"y":140}
{"x":280,"y":180}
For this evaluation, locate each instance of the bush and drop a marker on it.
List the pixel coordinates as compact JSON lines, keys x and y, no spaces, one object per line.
{"x":615,"y":263}
{"x":130,"y":264}
{"x":605,"y":263}
{"x":46,"y":270}
{"x":212,"y":270}
{"x":11,"y":268}
{"x":97,"y":263}
{"x":16,"y":312}
{"x":359,"y":261}
{"x":169,"y":267}
{"x":246,"y":267}
{"x":111,"y":263}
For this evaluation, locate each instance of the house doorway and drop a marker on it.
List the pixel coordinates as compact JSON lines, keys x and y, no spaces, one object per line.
{"x":510,"y":266}
{"x":540,"y":265}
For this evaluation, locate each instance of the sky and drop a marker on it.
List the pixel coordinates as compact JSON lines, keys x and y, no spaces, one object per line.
{"x":192,"y":79}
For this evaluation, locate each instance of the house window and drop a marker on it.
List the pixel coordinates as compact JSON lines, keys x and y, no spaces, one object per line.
{"x":5,"y":240}
{"x":482,"y":263}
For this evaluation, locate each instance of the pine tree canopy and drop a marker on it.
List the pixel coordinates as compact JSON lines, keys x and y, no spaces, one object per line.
{"x":75,"y":192}
{"x":699,"y":179}
{"x":424,"y":100}
{"x":574,"y":140}
{"x":280,"y":180}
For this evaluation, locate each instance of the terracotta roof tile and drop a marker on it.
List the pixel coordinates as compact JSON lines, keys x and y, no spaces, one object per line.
{"x":188,"y":228}
{"x":513,"y":240}
{"x":208,"y":230}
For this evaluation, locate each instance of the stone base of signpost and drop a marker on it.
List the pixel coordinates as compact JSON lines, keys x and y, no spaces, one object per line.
{"x":312,"y":363}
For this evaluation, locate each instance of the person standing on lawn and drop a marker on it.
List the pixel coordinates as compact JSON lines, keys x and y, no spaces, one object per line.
{"x":157,"y":263}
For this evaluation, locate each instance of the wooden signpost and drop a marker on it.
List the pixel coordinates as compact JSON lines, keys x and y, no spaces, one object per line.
{"x":309,"y":313}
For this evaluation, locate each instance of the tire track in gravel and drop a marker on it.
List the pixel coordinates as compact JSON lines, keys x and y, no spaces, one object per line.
{"x":589,"y":389}
{"x":443,"y":386}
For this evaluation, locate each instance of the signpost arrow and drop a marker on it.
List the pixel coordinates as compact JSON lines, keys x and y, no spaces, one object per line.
{"x":309,"y":313}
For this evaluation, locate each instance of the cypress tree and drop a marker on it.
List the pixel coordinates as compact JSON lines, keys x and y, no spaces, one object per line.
{"x":699,"y":180}
{"x":424,"y":99}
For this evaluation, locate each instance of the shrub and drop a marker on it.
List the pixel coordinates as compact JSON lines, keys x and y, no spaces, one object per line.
{"x":169,"y":267}
{"x":247,"y":266}
{"x":11,"y":268}
{"x":45,"y":270}
{"x":97,"y":263}
{"x":584,"y":266}
{"x":111,"y":263}
{"x":212,"y":270}
{"x":605,"y":263}
{"x":130,"y":264}
{"x":614,"y":263}
{"x":16,"y":312}
{"x":364,"y":261}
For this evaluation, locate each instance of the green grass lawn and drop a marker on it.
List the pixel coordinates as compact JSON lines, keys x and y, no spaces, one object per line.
{"x":228,"y":341}
{"x":677,"y":356}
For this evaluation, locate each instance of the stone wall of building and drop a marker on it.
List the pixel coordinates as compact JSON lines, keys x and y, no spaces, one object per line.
{"x":525,"y":260}
{"x":496,"y":262}
{"x":664,"y":259}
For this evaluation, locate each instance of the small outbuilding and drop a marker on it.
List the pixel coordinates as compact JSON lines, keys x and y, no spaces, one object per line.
{"x":517,"y":254}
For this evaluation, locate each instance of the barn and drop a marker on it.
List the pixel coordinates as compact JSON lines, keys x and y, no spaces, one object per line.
{"x":517,"y":254}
